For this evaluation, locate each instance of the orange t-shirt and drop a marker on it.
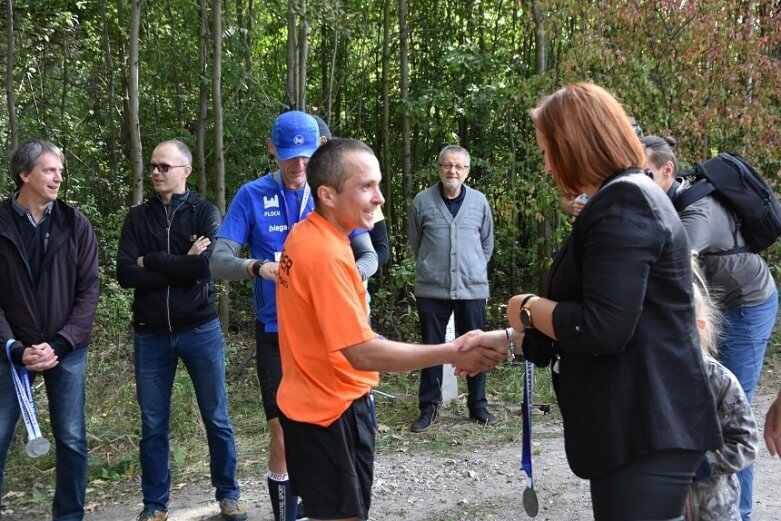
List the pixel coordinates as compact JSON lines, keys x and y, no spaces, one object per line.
{"x":321,"y":306}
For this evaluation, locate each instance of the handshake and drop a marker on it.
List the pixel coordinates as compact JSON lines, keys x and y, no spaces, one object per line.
{"x":478,"y":350}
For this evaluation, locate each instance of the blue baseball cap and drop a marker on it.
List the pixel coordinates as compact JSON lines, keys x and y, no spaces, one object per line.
{"x":295,"y":134}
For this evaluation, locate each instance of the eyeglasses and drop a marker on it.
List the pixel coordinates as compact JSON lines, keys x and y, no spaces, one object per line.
{"x":163,"y":168}
{"x":459,"y":168}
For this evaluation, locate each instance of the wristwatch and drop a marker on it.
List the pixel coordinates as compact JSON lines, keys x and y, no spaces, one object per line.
{"x":526,"y":312}
{"x":257,"y":265}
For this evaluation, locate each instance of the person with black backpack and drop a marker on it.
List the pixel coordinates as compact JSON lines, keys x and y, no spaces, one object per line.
{"x":740,"y":278}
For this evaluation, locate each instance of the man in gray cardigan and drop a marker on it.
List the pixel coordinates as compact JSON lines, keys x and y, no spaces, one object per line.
{"x":451,"y":232}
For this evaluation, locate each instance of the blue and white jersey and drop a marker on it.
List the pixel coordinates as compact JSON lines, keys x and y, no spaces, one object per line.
{"x":261,"y":215}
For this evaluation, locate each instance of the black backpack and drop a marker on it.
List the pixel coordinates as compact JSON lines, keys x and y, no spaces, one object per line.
{"x":741,"y":189}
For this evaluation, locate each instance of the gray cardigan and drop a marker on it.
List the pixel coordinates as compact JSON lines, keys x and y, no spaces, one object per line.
{"x":452,"y":253}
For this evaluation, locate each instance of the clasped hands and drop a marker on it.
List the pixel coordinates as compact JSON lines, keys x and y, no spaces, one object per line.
{"x":39,"y":357}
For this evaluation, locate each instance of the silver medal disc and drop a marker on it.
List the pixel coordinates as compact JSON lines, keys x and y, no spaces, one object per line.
{"x":37,"y":447}
{"x":530,"y":504}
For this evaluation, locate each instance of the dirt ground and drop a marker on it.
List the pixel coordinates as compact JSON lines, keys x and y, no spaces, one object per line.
{"x":468,"y":484}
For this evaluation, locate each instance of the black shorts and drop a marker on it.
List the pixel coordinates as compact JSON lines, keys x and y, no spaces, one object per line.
{"x":269,"y":366}
{"x":332,"y":468}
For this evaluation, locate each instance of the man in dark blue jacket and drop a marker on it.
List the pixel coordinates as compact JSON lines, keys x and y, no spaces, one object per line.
{"x":49,"y":281}
{"x":164,"y":255}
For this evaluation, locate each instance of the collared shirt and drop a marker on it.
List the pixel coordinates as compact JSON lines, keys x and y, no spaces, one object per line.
{"x":22,"y":211}
{"x":35,"y":236}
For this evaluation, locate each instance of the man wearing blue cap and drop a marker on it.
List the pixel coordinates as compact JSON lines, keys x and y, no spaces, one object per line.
{"x":261,"y":216}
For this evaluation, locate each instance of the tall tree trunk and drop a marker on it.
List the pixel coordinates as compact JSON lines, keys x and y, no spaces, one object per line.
{"x":244,"y":24}
{"x":203,"y":100}
{"x":134,"y":125}
{"x":297,"y":49}
{"x":173,"y":63}
{"x":219,"y":158}
{"x":544,"y":226}
{"x":540,"y":58}
{"x":335,"y":86}
{"x":243,"y":49}
{"x":303,"y":49}
{"x":9,"y":72}
{"x":250,"y":35}
{"x":331,"y":77}
{"x":292,"y":55}
{"x":124,"y":75}
{"x":385,"y":129}
{"x":108,"y":58}
{"x":65,"y":137}
{"x":405,"y":125}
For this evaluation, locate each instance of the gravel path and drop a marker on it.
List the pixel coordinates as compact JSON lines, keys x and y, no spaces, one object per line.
{"x":468,"y":484}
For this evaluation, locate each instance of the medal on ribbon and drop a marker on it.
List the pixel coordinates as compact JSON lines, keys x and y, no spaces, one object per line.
{"x":530,"y":504}
{"x":37,"y":445}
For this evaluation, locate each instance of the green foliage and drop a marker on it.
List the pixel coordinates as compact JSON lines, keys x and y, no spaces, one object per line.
{"x":393,"y":309}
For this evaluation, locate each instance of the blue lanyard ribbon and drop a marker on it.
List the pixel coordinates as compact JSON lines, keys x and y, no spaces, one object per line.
{"x":526,"y":454}
{"x":24,"y":394}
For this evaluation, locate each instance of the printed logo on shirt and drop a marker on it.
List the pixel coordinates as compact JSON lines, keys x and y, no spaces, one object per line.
{"x":277,"y":227}
{"x":272,"y":213}
{"x":283,"y":274}
{"x":271,"y":202}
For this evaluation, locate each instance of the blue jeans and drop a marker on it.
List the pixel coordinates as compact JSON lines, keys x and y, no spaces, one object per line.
{"x":202,"y":349}
{"x":744,"y":337}
{"x":65,"y":390}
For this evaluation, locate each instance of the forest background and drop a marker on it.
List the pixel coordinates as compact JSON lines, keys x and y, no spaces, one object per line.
{"x":108,"y":80}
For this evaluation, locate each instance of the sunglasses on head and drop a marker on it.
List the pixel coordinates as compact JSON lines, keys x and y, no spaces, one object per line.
{"x":163,"y":168}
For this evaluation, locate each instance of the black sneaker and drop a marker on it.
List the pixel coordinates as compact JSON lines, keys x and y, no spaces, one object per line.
{"x":424,"y":422}
{"x":482,"y":416}
{"x":300,"y":510}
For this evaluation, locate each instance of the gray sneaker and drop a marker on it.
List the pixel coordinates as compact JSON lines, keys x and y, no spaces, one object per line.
{"x":150,"y":514}
{"x":232,"y":509}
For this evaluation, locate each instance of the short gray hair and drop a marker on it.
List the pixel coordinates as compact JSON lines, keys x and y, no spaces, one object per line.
{"x":181,"y":147}
{"x":454,"y":149}
{"x":23,"y":158}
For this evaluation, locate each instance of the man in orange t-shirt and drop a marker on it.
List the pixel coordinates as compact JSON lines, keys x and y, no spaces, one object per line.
{"x":330,"y":355}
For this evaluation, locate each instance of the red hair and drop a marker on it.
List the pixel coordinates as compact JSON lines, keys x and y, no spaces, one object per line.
{"x":587,"y":136}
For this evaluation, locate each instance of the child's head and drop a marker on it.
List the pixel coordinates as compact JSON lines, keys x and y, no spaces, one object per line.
{"x":705,"y":310}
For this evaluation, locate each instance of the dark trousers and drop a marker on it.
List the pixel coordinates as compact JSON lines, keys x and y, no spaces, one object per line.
{"x":434,"y":314}
{"x":652,"y":487}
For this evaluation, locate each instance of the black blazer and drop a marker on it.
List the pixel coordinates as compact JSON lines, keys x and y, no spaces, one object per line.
{"x":630,"y":377}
